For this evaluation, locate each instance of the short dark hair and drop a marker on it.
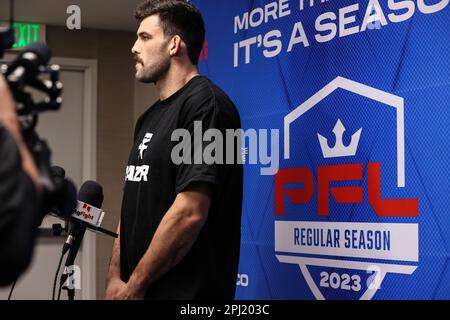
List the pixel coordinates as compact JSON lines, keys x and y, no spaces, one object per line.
{"x":178,"y":17}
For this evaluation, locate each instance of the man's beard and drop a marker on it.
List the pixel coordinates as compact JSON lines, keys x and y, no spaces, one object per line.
{"x":154,"y":73}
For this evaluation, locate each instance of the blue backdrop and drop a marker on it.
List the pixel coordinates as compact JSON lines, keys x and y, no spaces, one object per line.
{"x":322,"y":227}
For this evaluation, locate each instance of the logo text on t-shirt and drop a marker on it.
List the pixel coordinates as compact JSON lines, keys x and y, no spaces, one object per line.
{"x":137,"y":173}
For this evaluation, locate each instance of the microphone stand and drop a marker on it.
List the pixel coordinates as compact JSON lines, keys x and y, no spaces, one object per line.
{"x":70,"y":289}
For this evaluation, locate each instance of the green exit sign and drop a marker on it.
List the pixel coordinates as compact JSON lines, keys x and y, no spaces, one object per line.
{"x":26,"y":33}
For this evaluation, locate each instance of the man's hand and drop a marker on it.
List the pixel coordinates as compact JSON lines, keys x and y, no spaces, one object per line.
{"x":114,"y":283}
{"x":113,"y":288}
{"x":128,"y":292}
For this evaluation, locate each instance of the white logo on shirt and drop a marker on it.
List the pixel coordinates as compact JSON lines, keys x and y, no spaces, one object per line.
{"x":137,"y":173}
{"x":144,"y":144}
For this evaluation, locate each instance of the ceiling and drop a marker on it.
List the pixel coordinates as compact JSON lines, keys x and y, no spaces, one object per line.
{"x":98,"y":14}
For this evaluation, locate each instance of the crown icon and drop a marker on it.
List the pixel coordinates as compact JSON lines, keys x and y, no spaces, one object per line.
{"x":339,"y":150}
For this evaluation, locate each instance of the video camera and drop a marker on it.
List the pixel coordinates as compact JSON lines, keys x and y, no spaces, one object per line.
{"x":31,"y":70}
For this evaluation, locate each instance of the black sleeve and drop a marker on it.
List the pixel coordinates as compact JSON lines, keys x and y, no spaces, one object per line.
{"x":18,"y":212}
{"x":206,"y":112}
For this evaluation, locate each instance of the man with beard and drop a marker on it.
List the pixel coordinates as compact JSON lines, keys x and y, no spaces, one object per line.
{"x":180,"y":222}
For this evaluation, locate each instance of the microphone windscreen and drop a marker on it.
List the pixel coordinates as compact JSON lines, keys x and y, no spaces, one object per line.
{"x":91,"y":192}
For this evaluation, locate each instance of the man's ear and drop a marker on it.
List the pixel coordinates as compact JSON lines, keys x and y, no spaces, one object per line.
{"x":175,"y":45}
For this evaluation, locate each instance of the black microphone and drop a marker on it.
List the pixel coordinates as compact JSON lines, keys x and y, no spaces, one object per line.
{"x":58,"y":172}
{"x":91,"y":195}
{"x":65,"y":198}
{"x":61,"y":199}
{"x":27,"y":64}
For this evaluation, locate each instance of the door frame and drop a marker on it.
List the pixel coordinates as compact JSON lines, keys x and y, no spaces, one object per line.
{"x":89,"y":162}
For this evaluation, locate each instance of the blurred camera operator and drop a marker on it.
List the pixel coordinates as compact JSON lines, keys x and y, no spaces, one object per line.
{"x":19,"y":193}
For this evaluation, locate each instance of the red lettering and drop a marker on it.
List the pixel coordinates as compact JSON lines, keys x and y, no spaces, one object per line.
{"x":296,"y":196}
{"x":204,"y":52}
{"x":342,"y":172}
{"x":388,"y":207}
{"x":353,"y":194}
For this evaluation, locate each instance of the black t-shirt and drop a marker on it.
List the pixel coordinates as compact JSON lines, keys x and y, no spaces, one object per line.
{"x":153,"y":180}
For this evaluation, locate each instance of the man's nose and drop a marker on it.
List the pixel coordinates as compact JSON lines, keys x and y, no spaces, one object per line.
{"x":135,"y":49}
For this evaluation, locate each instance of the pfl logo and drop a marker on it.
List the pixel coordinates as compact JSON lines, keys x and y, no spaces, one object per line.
{"x":329,"y":174}
{"x":334,"y":173}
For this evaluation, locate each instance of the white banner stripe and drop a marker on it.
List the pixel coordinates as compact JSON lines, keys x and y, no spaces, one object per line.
{"x":396,"y":241}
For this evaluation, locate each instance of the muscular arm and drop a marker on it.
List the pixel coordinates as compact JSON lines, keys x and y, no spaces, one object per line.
{"x":114,"y":265}
{"x":173,"y":239}
{"x":113,"y":281}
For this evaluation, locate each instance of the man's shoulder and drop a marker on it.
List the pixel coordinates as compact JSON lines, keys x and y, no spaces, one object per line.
{"x":141,"y":119}
{"x":206,"y":88}
{"x":205,"y":94}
